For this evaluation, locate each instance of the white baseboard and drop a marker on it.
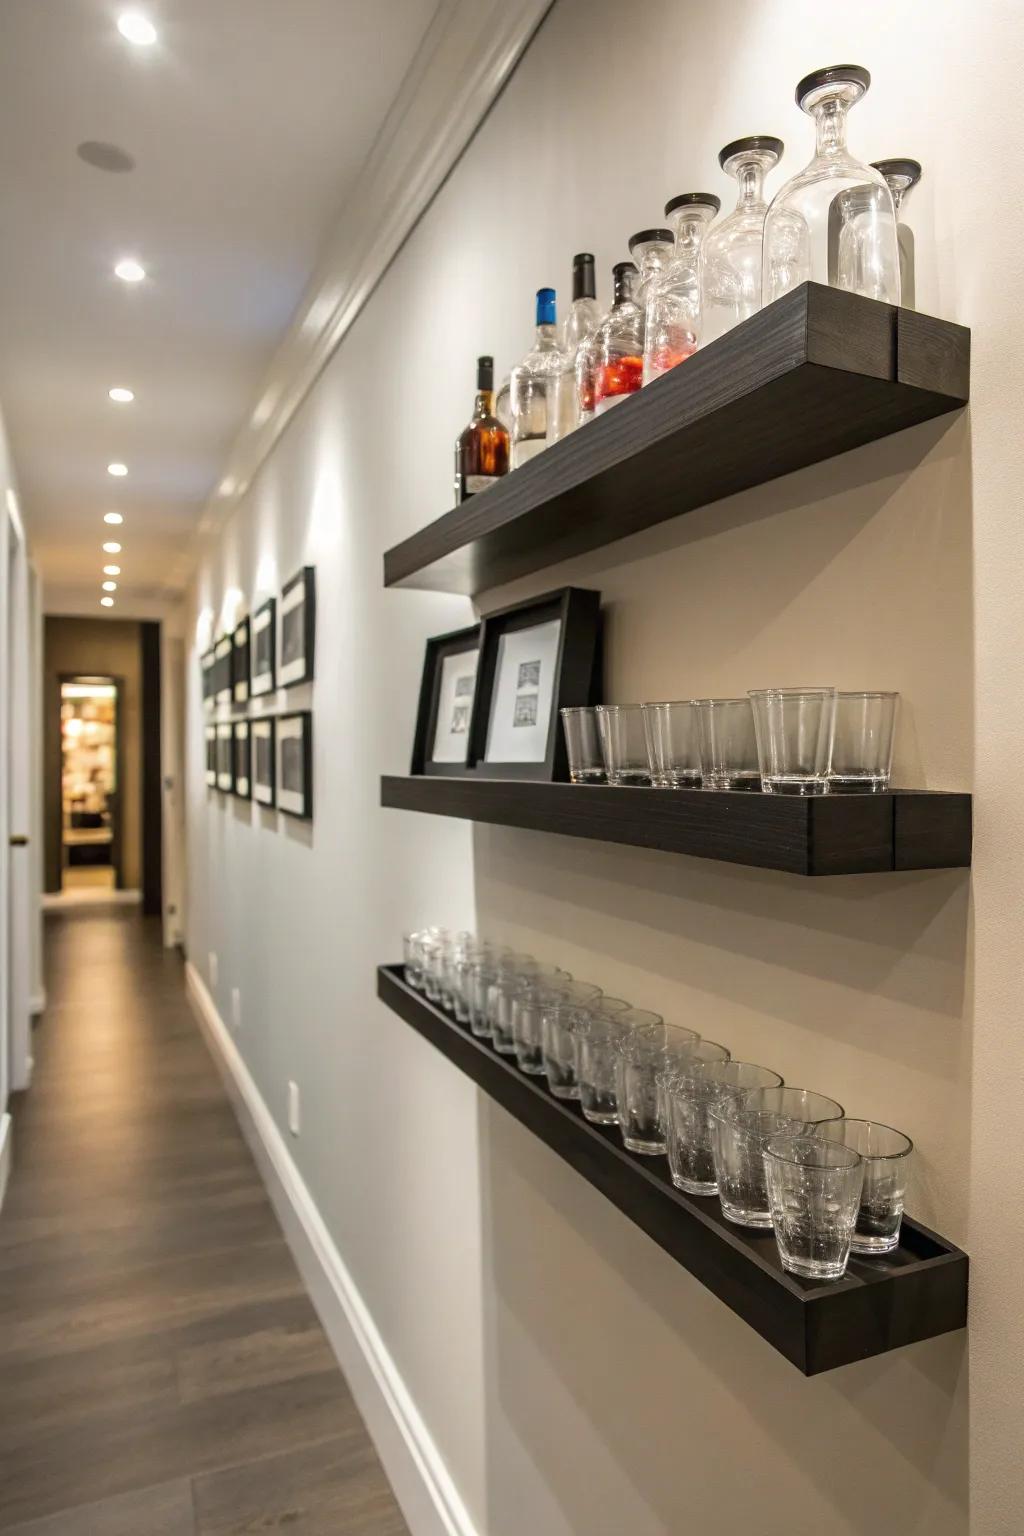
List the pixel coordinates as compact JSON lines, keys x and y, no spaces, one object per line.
{"x":6,"y":1154}
{"x":423,"y":1487}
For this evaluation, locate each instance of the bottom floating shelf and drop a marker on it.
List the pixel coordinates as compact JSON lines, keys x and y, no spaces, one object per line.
{"x":915,"y":1293}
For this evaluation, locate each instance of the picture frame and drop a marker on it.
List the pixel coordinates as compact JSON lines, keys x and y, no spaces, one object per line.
{"x":263,"y":649}
{"x":207,"y":664}
{"x":240,"y":648}
{"x":536,"y":658}
{"x":211,"y":757}
{"x":293,"y":764}
{"x":298,"y":629}
{"x":445,"y":710}
{"x":225,"y":756}
{"x":241,"y":760}
{"x":222,"y":670}
{"x":263,"y":736}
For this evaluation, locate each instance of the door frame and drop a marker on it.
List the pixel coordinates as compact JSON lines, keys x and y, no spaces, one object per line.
{"x":117,"y":827}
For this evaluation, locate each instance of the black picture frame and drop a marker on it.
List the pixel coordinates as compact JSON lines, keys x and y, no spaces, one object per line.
{"x":207,"y":664}
{"x":222,"y":670}
{"x":456,"y":642}
{"x":211,"y":757}
{"x":225,"y":757}
{"x":241,"y":760}
{"x":263,"y":736}
{"x":294,"y":798}
{"x":297,"y":619}
{"x":263,"y":649}
{"x":576,"y":681}
{"x":240,"y":647}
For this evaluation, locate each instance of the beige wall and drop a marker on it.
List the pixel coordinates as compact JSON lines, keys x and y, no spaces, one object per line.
{"x":101,"y":647}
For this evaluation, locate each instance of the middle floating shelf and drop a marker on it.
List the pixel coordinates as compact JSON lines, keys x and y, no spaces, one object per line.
{"x":841,"y":834}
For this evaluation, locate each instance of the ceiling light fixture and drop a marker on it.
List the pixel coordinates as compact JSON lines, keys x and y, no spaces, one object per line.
{"x":129,"y":270}
{"x":111,"y":570}
{"x":121,"y":396}
{"x":106,"y":602}
{"x":136,"y":28}
{"x":112,"y":548}
{"x":113,"y":517}
{"x":117,"y":470}
{"x":110,"y":586}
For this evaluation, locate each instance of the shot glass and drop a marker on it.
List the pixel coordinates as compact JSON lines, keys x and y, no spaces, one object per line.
{"x":728,"y":746}
{"x":528,"y":1005}
{"x":741,"y":1130}
{"x":559,"y":1017}
{"x":597,"y":1046}
{"x":673,"y":744}
{"x":885,"y":1154}
{"x":412,"y":960}
{"x":483,"y":974}
{"x":863,"y":744}
{"x":794,"y":728}
{"x":814,"y":1191}
{"x":644,"y":1055}
{"x":512,"y":971}
{"x":690,"y":1097}
{"x":586,"y":765}
{"x":623,"y":743}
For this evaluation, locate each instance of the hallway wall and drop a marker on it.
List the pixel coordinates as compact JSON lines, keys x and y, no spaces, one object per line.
{"x":572,"y":1376}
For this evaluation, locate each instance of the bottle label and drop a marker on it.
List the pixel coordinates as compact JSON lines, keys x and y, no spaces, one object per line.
{"x":476,"y":483}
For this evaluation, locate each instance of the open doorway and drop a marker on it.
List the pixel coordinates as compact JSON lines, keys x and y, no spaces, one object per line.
{"x":91,"y":779}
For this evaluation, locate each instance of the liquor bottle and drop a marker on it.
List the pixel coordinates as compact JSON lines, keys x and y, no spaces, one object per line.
{"x":901,"y":176}
{"x":481,"y":451}
{"x":731,"y":283}
{"x":533,"y":386}
{"x":580,"y":323}
{"x":616,"y":349}
{"x":672,"y":318}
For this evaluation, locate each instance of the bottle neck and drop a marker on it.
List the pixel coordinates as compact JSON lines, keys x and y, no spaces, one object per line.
{"x":690,"y":233}
{"x":484,"y":405}
{"x":830,"y":120}
{"x":750,"y":177}
{"x":547,"y":339}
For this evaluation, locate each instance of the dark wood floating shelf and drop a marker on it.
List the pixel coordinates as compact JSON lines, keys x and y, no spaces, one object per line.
{"x":915,"y":1293}
{"x":844,"y":834}
{"x":814,"y":374}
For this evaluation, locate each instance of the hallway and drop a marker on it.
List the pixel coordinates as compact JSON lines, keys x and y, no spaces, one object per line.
{"x":163,"y":1372}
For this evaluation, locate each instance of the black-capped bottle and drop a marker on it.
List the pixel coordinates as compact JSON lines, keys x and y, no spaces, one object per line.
{"x":481,"y":451}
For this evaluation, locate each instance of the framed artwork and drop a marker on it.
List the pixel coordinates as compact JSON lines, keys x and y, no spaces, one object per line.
{"x":441,"y":743}
{"x":535,"y":658}
{"x":208,"y":663}
{"x":211,"y":756}
{"x":240,"y":663}
{"x":262,"y":736}
{"x":225,"y":756}
{"x":262,"y":636}
{"x":294,"y":764}
{"x":242,"y":760}
{"x":298,"y":629}
{"x":222,"y":670}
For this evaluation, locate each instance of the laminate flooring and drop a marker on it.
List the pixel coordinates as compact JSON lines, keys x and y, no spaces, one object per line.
{"x":162,"y":1370}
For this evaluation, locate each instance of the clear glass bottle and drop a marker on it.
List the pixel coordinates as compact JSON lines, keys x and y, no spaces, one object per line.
{"x":672,"y":320}
{"x":616,"y":348}
{"x":901,"y":176}
{"x":481,"y":449}
{"x":533,"y":386}
{"x":580,"y":324}
{"x":834,"y":222}
{"x":651,"y":250}
{"x":731,"y":289}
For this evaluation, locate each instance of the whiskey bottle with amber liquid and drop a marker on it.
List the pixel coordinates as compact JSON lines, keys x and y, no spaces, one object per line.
{"x":481,"y":451}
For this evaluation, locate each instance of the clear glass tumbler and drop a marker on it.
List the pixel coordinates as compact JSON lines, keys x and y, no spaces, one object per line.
{"x":794,"y":729}
{"x":560,"y":1016}
{"x":741,"y":1131}
{"x":512,"y":973}
{"x":645,"y":1054}
{"x":598,"y":1034}
{"x":814,"y":1191}
{"x":623,"y":743}
{"x":586,"y":764}
{"x":863,"y":744}
{"x":728,"y":746}
{"x":528,"y":1004}
{"x":886,"y":1155}
{"x":412,"y":960}
{"x":690,"y":1097}
{"x":673,"y":744}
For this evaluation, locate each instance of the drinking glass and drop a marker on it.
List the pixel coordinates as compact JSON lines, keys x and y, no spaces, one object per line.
{"x":863,"y":745}
{"x":412,"y":960}
{"x":534,"y":993}
{"x":512,"y":971}
{"x":621,"y":729}
{"x":644,"y":1054}
{"x":586,"y":765}
{"x":741,"y":1130}
{"x":559,"y":1017}
{"x":689,"y":1100}
{"x":798,"y":1103}
{"x":885,"y":1154}
{"x":598,"y":1034}
{"x":814,"y":1190}
{"x":483,"y":973}
{"x":728,"y":746}
{"x":794,"y":729}
{"x":432,"y":954}
{"x":673,"y":744}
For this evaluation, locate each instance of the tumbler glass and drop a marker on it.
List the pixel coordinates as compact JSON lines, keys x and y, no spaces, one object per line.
{"x":412,"y":960}
{"x":728,"y":746}
{"x":673,"y":744}
{"x":597,"y":1046}
{"x":794,"y":729}
{"x":559,"y":1017}
{"x":483,"y":973}
{"x":586,"y":765}
{"x":690,"y":1097}
{"x":798,"y":1103}
{"x":885,"y":1154}
{"x":433,"y":959}
{"x":814,"y":1191}
{"x":863,"y":745}
{"x":513,"y":970}
{"x":741,"y":1130}
{"x":623,"y":743}
{"x":528,"y":1006}
{"x":644,"y":1055}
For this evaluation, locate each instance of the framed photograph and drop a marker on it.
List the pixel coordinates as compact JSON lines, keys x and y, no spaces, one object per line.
{"x":263,"y":636}
{"x":262,"y":734}
{"x":208,"y":663}
{"x":298,"y":629}
{"x":535,"y":658}
{"x":441,"y":743}
{"x":242,"y":760}
{"x":225,"y":756}
{"x":240,"y":663}
{"x":222,"y":670}
{"x":294,"y":765}
{"x":211,"y":756}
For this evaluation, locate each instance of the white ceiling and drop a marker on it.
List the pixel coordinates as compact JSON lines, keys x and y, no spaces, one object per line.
{"x":249,"y":121}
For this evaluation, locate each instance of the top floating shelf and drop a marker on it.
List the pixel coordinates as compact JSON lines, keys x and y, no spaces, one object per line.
{"x":812,"y":375}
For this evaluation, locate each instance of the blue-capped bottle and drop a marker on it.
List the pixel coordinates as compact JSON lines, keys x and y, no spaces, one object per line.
{"x":534,"y":384}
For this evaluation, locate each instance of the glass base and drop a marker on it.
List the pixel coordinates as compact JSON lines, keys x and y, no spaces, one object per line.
{"x":812,"y":1269}
{"x":600,"y":1117}
{"x":859,"y":784}
{"x":625,"y":777}
{"x":791,"y":785}
{"x":587,"y":776}
{"x":740,"y":1216}
{"x":564,"y":1091}
{"x":748,"y":781}
{"x":646,"y":1148}
{"x":531,"y":1068}
{"x":693,"y":1187}
{"x":481,"y":1031}
{"x":503,"y":1047}
{"x":873,"y":1246}
{"x":684,"y":780}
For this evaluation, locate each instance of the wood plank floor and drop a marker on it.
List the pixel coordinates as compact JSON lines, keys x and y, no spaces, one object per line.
{"x":162,"y":1371}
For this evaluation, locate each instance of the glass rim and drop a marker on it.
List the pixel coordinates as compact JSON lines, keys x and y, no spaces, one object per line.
{"x":796,"y":1088}
{"x":869,"y":693}
{"x":823,"y":692}
{"x":670,"y":703}
{"x":785,"y":1140}
{"x":614,"y":709}
{"x":577,"y":709}
{"x":872,"y":1157}
{"x":708,"y":1066}
{"x":717,"y":703}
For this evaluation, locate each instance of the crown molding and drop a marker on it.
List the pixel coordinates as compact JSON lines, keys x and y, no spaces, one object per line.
{"x":468,"y":53}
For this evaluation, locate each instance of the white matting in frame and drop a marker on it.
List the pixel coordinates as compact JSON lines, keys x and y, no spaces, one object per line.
{"x":523,"y":694}
{"x":454,"y":706}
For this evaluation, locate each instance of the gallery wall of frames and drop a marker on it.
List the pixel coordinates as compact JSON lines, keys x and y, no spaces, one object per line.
{"x":266,"y":758}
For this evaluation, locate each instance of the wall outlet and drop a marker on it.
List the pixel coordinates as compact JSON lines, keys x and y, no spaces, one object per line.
{"x":236,"y":1009}
{"x":213,"y":968}
{"x":293,"y":1108}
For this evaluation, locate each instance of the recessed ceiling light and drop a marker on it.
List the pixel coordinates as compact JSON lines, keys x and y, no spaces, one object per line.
{"x":113,"y":517}
{"x":121,"y":396}
{"x":136,"y":28}
{"x":117,"y":470}
{"x":111,"y":570}
{"x":112,"y":548}
{"x":106,"y":602}
{"x":129,"y":270}
{"x":110,"y":586}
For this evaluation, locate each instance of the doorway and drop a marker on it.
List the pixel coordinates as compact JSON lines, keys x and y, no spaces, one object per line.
{"x":91,"y":784}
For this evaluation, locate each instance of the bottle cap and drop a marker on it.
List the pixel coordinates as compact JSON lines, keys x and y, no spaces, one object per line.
{"x":648,"y":236}
{"x":835,"y":74}
{"x":907,"y":171}
{"x":624,"y":275}
{"x":584,"y":285}
{"x":694,"y":200}
{"x":485,"y":373}
{"x":545,"y":306}
{"x":753,"y":144}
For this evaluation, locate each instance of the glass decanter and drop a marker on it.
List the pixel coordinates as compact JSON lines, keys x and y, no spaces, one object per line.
{"x":901,"y":176}
{"x":651,"y":250}
{"x":615,"y":351}
{"x":834,"y":222}
{"x":731,"y":289}
{"x":580,"y":324}
{"x":533,"y":386}
{"x":672,"y":319}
